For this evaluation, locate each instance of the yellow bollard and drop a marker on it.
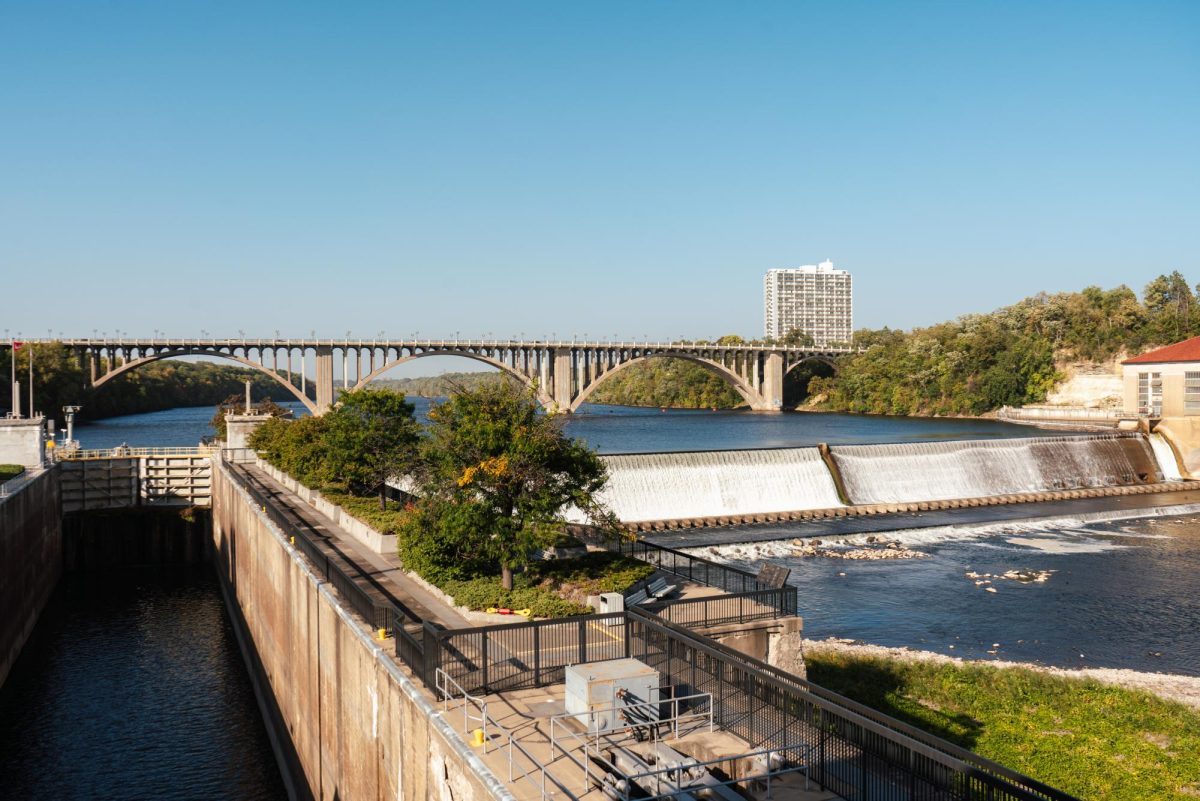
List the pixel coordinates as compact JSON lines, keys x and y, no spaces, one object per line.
{"x":477,"y":738}
{"x":382,"y":634}
{"x":292,"y":540}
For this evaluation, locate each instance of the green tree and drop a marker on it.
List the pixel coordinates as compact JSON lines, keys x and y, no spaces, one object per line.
{"x":797,"y":339}
{"x":371,"y":436}
{"x":497,"y":477}
{"x":731,"y":339}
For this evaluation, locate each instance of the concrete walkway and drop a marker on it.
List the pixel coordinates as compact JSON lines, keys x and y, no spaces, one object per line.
{"x":384,"y":568}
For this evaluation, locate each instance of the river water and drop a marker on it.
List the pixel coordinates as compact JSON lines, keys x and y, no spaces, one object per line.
{"x":1118,"y":593}
{"x":619,"y":429}
{"x":132,"y":686}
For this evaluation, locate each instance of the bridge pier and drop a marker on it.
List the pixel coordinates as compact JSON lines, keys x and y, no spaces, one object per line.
{"x":770,"y":389}
{"x":324,"y":381}
{"x":564,"y":380}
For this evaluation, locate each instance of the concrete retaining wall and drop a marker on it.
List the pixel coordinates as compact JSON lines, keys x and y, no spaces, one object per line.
{"x":376,"y":541}
{"x":100,"y":540}
{"x":354,"y":725}
{"x":30,"y":560}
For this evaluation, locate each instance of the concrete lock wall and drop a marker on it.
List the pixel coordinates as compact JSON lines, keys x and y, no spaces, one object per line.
{"x":351,"y":723}
{"x":30,"y":560}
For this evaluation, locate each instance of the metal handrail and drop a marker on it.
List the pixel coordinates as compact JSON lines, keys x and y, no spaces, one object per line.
{"x":442,"y":680}
{"x":126,"y":452}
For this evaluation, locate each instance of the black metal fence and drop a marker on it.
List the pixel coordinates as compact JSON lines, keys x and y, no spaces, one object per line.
{"x":692,"y":568}
{"x":861,"y":757}
{"x":521,"y":655}
{"x":360,"y":590}
{"x":718,"y":610}
{"x":858,"y":757}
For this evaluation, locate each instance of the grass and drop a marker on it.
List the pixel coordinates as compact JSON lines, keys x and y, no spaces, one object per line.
{"x":554,"y":588}
{"x":8,"y":471}
{"x":1089,"y":739}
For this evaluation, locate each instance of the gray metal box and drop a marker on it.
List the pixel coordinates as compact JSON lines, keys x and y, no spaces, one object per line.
{"x":592,"y":691}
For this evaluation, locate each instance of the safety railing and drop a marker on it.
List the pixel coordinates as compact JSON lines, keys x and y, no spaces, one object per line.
{"x":18,"y":482}
{"x":360,"y":591}
{"x":125,"y":452}
{"x":855,"y":755}
{"x":522,"y":765}
{"x":693,"y":568}
{"x":858,"y":753}
{"x":719,"y":610}
{"x":522,"y":655}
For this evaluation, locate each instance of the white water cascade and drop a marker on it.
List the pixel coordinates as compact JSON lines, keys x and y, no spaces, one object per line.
{"x":977,"y":468}
{"x":1166,"y":458}
{"x":669,"y":486}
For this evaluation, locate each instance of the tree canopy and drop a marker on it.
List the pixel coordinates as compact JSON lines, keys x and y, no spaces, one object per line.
{"x":370,"y":436}
{"x":496,"y":479}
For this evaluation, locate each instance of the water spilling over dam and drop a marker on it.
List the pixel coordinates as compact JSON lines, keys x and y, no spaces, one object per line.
{"x":714,"y":484}
{"x":979,"y":468}
{"x":658,"y":486}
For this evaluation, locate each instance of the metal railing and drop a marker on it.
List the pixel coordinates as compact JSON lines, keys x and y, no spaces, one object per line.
{"x":590,"y":739}
{"x":521,"y":655}
{"x":126,"y":452}
{"x":858,"y":753}
{"x":718,"y":610}
{"x":693,"y":568}
{"x":446,"y":689}
{"x":857,"y":756}
{"x":361,"y":591}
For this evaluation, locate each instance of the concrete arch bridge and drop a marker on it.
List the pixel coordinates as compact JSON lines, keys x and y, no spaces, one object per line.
{"x":563,"y":374}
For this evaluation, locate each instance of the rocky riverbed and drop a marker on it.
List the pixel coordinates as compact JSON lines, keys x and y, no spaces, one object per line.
{"x":877,"y":548}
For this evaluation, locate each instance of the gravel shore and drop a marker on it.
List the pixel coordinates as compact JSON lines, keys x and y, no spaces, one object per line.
{"x":1173,"y":687}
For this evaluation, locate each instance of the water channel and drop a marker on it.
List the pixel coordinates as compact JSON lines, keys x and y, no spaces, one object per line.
{"x":132,"y":686}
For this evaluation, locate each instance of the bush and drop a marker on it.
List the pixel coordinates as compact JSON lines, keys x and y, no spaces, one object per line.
{"x":8,"y":471}
{"x":555,"y":588}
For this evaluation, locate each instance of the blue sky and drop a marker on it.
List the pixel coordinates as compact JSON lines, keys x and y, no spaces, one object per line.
{"x":609,"y":168}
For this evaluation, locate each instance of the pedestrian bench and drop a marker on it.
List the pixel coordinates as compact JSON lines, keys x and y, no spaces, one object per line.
{"x":659,"y":588}
{"x":637,"y":598}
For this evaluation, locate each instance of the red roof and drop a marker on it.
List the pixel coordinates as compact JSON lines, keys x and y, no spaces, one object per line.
{"x":1186,"y":351}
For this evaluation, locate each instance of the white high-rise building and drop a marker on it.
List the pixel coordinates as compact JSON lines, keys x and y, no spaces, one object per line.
{"x":815,"y":299}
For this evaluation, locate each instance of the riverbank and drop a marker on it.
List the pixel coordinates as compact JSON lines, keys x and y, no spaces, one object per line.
{"x":1168,"y":686}
{"x":1094,"y":733}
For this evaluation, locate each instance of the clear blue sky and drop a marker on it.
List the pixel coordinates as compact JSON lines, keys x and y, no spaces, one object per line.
{"x":603,"y":167}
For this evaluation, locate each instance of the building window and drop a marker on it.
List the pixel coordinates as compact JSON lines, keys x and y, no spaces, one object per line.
{"x":1191,"y":393}
{"x":1150,"y":394}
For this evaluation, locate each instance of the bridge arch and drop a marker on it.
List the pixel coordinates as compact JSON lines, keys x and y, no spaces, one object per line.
{"x":170,"y":354}
{"x":830,"y":362}
{"x":733,"y":379}
{"x":525,"y":380}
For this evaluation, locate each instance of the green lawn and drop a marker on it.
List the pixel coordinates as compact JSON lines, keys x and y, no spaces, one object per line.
{"x":8,"y":471}
{"x":1089,"y":739}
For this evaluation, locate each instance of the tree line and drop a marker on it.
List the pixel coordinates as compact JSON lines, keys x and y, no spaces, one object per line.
{"x":967,"y":366}
{"x":59,"y":380}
